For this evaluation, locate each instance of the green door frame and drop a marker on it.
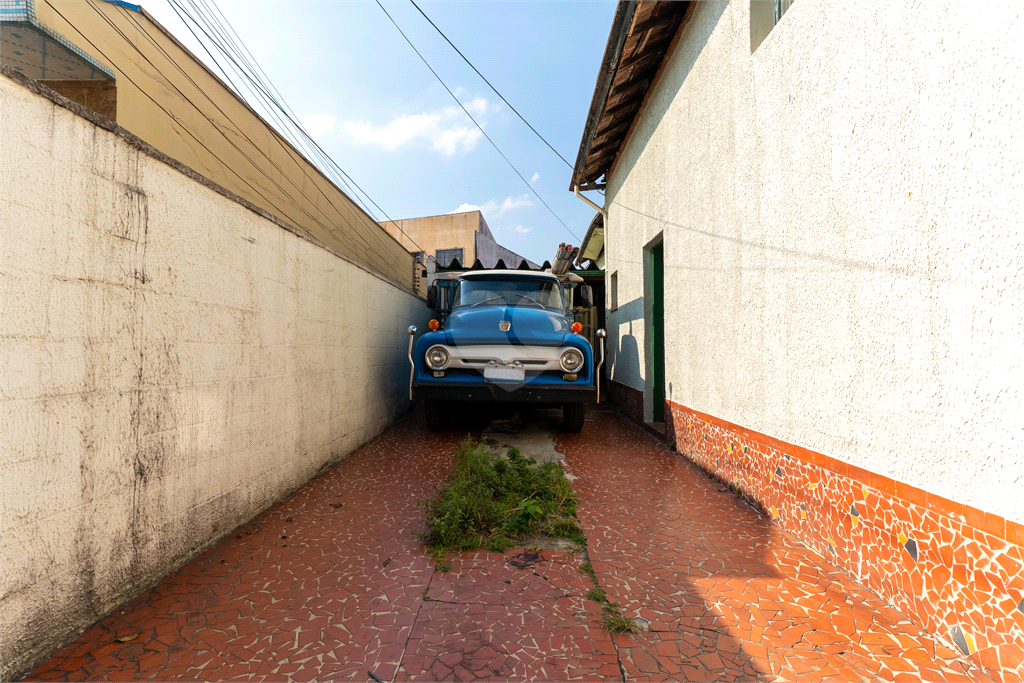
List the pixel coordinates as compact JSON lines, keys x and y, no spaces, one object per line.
{"x":658,"y":330}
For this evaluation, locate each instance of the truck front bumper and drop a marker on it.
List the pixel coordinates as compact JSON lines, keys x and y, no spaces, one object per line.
{"x":525,"y":393}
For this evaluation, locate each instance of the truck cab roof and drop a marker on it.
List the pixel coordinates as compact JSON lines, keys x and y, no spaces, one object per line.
{"x":517,"y":274}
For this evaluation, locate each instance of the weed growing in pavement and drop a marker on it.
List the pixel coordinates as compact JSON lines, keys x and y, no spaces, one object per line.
{"x":494,"y":502}
{"x":617,"y":623}
{"x":614,"y":620}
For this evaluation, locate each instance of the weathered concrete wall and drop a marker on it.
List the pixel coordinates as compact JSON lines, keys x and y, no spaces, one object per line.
{"x":841,"y":213}
{"x":100,"y":96}
{"x":467,"y":230}
{"x":490,"y":252}
{"x":430,"y":233}
{"x":171,"y":362}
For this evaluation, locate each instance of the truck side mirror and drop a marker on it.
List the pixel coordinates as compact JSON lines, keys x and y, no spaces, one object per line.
{"x":432,"y":297}
{"x":586,"y":296}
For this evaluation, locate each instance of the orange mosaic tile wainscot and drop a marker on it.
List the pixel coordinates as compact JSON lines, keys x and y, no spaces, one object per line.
{"x":954,"y":569}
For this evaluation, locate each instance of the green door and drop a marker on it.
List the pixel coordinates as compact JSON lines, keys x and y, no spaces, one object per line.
{"x":658,"y":330}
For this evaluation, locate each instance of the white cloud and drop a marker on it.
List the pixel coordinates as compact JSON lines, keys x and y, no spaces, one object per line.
{"x":318,"y":124}
{"x":521,"y":229}
{"x":488,"y":209}
{"x":477,"y":106}
{"x":534,"y":178}
{"x":516,"y":203}
{"x":491,"y":208}
{"x":446,"y":131}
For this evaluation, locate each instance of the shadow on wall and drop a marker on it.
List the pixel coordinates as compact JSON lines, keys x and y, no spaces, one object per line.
{"x":625,"y":356}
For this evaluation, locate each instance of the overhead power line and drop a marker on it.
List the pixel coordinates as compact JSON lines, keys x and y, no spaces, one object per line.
{"x":263,"y":89}
{"x":286,"y":194}
{"x":466,"y":59}
{"x":169,"y":114}
{"x":479,"y":127}
{"x":153,"y":41}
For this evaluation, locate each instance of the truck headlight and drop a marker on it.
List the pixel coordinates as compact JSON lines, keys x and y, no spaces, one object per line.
{"x":571,"y":360}
{"x":437,"y":357}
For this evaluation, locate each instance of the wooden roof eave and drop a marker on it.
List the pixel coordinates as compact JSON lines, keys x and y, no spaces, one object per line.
{"x":642,"y":34}
{"x":609,"y":63}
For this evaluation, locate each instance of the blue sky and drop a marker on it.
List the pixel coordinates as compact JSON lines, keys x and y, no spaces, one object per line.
{"x":377,"y":110}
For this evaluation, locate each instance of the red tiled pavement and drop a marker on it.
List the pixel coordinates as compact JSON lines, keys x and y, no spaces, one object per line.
{"x":310,"y":591}
{"x":727,"y":594}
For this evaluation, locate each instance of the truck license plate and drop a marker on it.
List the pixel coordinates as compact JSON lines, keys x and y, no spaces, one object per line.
{"x":499,"y":372}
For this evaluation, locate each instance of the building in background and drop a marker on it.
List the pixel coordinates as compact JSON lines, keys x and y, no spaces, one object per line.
{"x":115,"y":59}
{"x":37,"y":52}
{"x":812,"y":248}
{"x":462,"y":237}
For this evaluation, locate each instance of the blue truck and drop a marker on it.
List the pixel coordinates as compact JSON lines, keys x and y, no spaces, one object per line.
{"x":504,"y":336}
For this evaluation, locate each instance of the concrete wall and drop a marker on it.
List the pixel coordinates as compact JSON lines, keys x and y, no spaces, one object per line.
{"x":172,"y":361}
{"x":430,"y":233}
{"x":490,"y":252}
{"x":467,"y":230}
{"x":169,"y":99}
{"x":100,"y":96}
{"x":841,"y":213}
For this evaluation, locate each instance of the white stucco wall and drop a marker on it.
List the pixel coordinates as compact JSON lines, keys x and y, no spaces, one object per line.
{"x":844,"y":236}
{"x":171,"y":363}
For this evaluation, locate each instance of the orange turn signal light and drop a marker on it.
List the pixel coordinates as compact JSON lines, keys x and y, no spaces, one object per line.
{"x":577,"y":327}
{"x":433,"y":324}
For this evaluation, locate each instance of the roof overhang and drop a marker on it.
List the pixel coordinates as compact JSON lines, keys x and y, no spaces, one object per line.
{"x":641,"y":35}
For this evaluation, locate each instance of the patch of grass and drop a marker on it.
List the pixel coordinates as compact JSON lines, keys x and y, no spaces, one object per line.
{"x":614,"y":620}
{"x":495,"y":502}
{"x":617,"y":623}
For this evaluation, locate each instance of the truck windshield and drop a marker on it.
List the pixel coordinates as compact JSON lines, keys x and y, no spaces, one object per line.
{"x":525,"y":292}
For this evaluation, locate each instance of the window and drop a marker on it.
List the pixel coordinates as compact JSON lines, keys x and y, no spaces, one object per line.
{"x":446,"y":256}
{"x":764,"y":15}
{"x":511,"y":292}
{"x":419,"y":256}
{"x":613,"y":291}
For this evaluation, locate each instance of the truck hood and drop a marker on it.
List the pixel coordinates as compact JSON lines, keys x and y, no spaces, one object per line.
{"x":529,"y":325}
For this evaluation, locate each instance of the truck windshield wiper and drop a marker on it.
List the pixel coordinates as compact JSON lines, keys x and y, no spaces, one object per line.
{"x":485,"y":301}
{"x":528,"y":298}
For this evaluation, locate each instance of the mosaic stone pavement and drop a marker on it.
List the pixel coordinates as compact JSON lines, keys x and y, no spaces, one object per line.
{"x":726,"y":593}
{"x":332,"y":583}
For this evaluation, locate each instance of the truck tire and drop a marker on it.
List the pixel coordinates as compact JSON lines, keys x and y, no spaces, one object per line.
{"x":438,"y":416}
{"x":573,"y":415}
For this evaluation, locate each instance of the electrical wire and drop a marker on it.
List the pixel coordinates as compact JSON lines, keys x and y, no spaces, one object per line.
{"x":265,"y":89}
{"x":479,"y":127}
{"x":327,"y":227}
{"x":300,"y":165}
{"x":169,"y":114}
{"x":466,"y":59}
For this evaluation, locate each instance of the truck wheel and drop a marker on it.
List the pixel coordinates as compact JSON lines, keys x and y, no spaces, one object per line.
{"x":437,"y":417}
{"x":572,"y":417}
